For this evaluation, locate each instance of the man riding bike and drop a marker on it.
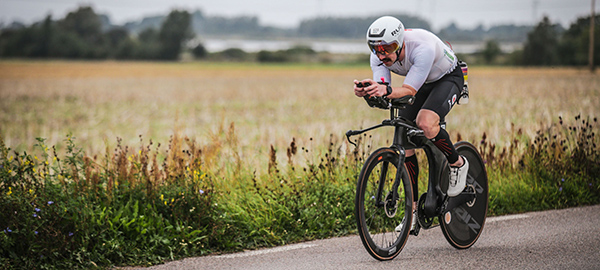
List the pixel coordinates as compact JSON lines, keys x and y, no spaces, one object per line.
{"x":431,"y":75}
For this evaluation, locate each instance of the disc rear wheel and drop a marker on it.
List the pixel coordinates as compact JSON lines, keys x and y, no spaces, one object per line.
{"x":463,"y":225}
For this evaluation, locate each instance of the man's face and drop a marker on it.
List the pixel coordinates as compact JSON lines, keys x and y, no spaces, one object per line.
{"x":388,"y":54}
{"x":388,"y":59}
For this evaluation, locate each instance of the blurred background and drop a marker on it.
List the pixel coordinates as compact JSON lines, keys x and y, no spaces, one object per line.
{"x":515,"y":32}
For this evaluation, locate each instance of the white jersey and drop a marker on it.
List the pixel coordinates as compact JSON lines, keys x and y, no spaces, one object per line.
{"x":427,"y":59}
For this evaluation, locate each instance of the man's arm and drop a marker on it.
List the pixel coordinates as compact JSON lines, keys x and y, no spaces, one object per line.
{"x":378,"y":90}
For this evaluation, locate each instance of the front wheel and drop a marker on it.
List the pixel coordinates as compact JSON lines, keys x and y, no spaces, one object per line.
{"x":381,"y":205}
{"x":462,"y":225}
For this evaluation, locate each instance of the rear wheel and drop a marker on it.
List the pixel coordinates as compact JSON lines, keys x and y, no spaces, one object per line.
{"x":463,"y":225}
{"x":380,"y":207}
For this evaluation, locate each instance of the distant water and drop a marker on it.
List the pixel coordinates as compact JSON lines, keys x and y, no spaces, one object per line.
{"x":334,"y":46}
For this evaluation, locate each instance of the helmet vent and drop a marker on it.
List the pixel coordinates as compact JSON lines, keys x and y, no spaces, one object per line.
{"x":376,"y":33}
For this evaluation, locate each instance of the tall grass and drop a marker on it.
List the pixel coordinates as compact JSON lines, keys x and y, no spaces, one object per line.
{"x":131,"y":207}
{"x":239,"y":158}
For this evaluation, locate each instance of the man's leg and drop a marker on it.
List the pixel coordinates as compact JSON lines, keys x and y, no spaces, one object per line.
{"x":412,"y":165}
{"x":429,"y":122}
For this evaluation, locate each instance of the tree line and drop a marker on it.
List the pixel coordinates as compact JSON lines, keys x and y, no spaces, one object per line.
{"x":80,"y":35}
{"x":83,"y":34}
{"x":549,"y":44}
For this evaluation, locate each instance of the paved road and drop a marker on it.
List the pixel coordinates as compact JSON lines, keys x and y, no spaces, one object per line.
{"x":557,"y":239}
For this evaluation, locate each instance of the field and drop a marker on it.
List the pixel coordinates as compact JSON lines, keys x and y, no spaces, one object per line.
{"x":98,"y":102}
{"x":134,"y":163}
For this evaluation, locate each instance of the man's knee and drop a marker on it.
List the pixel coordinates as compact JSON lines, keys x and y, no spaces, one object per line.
{"x":429,"y":122}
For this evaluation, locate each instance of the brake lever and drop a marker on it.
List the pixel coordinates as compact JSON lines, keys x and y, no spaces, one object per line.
{"x":349,"y":134}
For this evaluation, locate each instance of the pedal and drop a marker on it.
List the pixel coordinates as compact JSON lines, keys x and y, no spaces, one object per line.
{"x":416,"y":231}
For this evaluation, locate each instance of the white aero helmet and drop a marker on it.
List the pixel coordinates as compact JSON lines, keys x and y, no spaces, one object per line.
{"x":385,"y":35}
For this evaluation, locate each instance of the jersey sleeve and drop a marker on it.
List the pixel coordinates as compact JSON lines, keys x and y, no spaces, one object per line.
{"x":422,"y":58}
{"x":379,"y":70}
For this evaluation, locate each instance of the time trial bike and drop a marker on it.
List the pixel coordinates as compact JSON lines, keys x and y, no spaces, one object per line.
{"x":384,"y":196}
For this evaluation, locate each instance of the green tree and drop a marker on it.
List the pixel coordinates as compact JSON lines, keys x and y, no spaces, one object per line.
{"x":148,"y":45}
{"x":86,"y":25}
{"x":491,"y":51}
{"x":118,"y":43}
{"x":200,"y":51}
{"x":173,"y":33}
{"x":575,"y":42}
{"x":542,"y":44}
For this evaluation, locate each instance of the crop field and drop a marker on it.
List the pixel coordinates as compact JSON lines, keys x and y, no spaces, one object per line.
{"x":108,"y":164}
{"x":98,"y":102}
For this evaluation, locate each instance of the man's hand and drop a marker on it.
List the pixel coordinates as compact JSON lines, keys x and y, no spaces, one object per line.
{"x":368,"y":87}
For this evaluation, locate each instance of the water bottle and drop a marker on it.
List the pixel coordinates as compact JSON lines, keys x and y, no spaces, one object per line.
{"x":464,"y":94}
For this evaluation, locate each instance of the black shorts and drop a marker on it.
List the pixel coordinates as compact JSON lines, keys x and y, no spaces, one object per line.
{"x":439,"y":96}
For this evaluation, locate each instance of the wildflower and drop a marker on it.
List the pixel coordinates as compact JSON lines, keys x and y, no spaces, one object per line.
{"x":70,"y":234}
{"x":202,"y":191}
{"x":562,"y":180}
{"x":50,"y":202}
{"x":37,"y":209}
{"x":8,"y":230}
{"x":9,"y":191}
{"x":162,"y":197}
{"x":36,"y":232}
{"x":35,"y":215}
{"x":560,"y":189}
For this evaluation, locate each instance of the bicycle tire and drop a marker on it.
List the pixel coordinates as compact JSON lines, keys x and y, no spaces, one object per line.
{"x":464,"y":224}
{"x":377,"y":222}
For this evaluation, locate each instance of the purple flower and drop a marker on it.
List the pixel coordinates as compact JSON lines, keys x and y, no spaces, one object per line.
{"x":70,"y":234}
{"x":37,"y":210}
{"x":50,"y":202}
{"x":562,"y":180}
{"x":35,"y":215}
{"x":36,"y":232}
{"x":8,"y":230}
{"x":560,"y":189}
{"x":201,"y":192}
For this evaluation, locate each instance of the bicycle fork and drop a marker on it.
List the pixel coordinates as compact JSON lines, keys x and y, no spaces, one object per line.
{"x":390,"y":200}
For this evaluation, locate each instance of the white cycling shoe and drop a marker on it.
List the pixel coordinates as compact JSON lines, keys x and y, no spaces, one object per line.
{"x":414,"y":223}
{"x":458,"y":178}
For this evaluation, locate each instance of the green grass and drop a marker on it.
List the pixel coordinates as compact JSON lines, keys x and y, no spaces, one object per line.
{"x":239,"y":157}
{"x":146,"y":205}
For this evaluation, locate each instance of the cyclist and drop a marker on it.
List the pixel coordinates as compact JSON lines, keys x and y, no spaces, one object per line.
{"x":431,"y":75}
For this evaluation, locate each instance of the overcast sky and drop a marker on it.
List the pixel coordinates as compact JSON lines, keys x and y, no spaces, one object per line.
{"x":286,"y":13}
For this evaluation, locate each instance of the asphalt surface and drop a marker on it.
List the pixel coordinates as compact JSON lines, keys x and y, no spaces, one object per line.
{"x":556,"y":239}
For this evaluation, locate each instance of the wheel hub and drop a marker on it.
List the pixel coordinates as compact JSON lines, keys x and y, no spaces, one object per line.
{"x":390,"y":206}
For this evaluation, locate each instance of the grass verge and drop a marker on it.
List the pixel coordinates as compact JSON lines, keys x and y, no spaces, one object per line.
{"x":149,"y":204}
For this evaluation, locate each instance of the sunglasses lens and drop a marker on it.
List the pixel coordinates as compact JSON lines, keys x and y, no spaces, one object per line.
{"x":384,"y":48}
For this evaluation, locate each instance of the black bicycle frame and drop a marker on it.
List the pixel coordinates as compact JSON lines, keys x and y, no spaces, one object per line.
{"x":408,"y":136}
